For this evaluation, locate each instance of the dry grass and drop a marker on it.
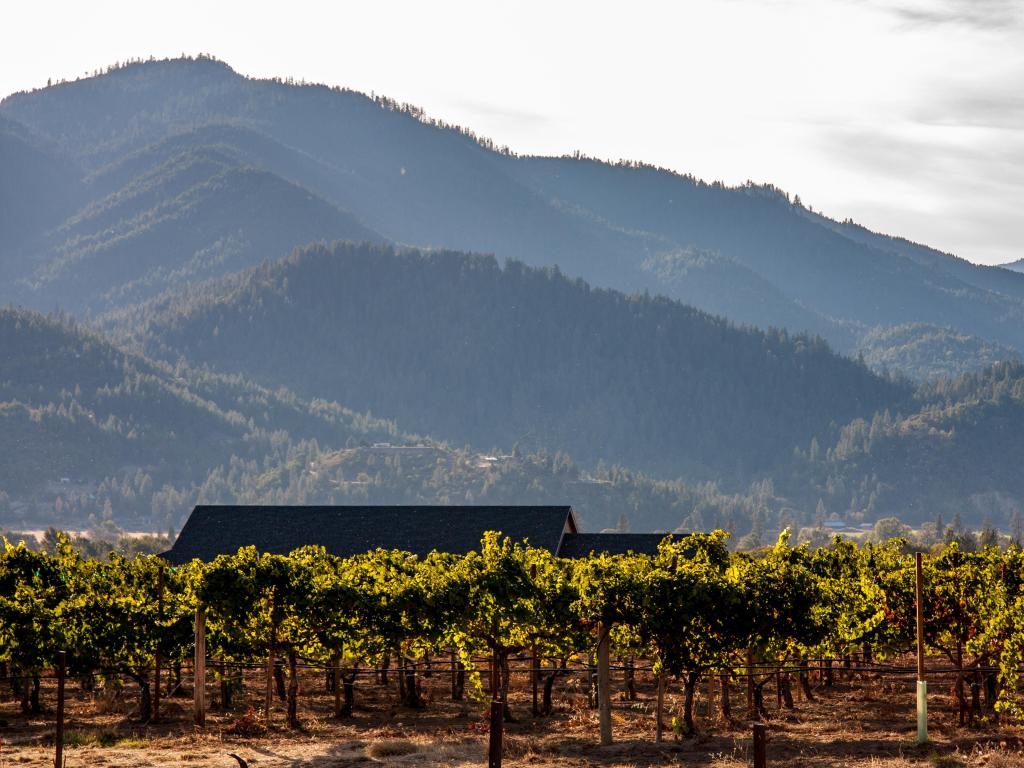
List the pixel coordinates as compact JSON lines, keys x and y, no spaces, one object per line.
{"x":380,"y":750}
{"x":859,"y":723}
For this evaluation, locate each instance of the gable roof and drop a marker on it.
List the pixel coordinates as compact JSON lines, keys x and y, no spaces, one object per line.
{"x":349,"y":530}
{"x":585,"y":544}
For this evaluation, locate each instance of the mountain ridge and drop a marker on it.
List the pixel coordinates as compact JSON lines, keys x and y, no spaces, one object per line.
{"x":426,"y":183}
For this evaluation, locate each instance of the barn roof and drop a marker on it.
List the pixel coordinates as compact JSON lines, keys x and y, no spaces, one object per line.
{"x":350,"y":530}
{"x":585,"y":544}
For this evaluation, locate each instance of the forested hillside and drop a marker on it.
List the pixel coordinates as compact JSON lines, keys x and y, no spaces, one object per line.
{"x":560,"y":366}
{"x":605,"y":497}
{"x":957,"y":453}
{"x":927,"y":352}
{"x":93,"y":436}
{"x":158,"y":204}
{"x":457,"y":346}
{"x":80,"y":418}
{"x":749,"y":253}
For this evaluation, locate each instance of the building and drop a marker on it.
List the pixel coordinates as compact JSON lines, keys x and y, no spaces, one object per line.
{"x":351,"y":530}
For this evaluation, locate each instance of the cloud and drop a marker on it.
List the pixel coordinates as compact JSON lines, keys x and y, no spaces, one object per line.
{"x":992,"y":108}
{"x":944,"y":161}
{"x":517,"y":118}
{"x":959,"y":189}
{"x":978,"y":14}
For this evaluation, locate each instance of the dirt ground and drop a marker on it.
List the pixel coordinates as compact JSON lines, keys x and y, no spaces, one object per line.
{"x":858,"y":722}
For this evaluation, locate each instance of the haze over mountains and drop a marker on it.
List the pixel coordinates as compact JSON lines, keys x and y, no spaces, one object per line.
{"x":161,"y":202}
{"x":748,"y":253}
{"x":454,"y":345}
{"x":93,"y":435}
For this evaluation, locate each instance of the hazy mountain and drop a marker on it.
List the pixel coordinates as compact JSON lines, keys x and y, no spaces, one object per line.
{"x":410,"y":181}
{"x":91,"y":431}
{"x":456,"y":346}
{"x":825,"y":271}
{"x":157,"y":220}
{"x":986,"y":278}
{"x":37,"y":190}
{"x":92,"y":434}
{"x":149,"y":193}
{"x":763,"y":260}
{"x":696,"y":277}
{"x":1016,"y":266}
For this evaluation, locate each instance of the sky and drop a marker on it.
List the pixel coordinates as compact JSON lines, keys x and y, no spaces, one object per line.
{"x":906,"y":116}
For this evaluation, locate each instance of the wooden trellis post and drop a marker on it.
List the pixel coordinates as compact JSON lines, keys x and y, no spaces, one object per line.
{"x":760,"y":746}
{"x":711,"y":696}
{"x":293,"y":689}
{"x":658,"y":726}
{"x":453,"y":668}
{"x":750,"y":682}
{"x":922,"y":684}
{"x":534,"y":665}
{"x":604,"y":693}
{"x":336,"y":677}
{"x":268,"y":701}
{"x":659,"y":709}
{"x":158,"y":660}
{"x":726,"y":703}
{"x":58,"y":751}
{"x":494,"y":747}
{"x":199,"y":668}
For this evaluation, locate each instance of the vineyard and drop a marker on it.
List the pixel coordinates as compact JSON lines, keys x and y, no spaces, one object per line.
{"x":707,"y":631}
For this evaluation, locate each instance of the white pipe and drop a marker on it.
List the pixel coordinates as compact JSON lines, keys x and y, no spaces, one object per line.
{"x":922,"y":711}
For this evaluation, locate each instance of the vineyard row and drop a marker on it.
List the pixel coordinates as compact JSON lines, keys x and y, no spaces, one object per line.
{"x":693,"y":612}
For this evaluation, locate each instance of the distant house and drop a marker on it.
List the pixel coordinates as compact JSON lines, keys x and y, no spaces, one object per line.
{"x":351,"y":530}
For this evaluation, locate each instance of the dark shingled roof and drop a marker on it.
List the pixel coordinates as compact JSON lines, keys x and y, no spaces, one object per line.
{"x":345,"y":531}
{"x":585,"y":544}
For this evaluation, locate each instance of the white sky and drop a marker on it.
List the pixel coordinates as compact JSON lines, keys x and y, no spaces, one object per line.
{"x":906,"y":115}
